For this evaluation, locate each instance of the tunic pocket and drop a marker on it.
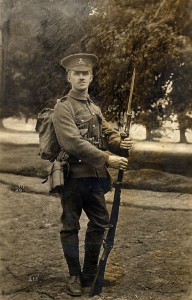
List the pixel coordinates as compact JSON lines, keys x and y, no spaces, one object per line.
{"x":82,"y":121}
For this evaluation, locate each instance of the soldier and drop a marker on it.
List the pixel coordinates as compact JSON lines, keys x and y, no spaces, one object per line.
{"x":81,"y":129}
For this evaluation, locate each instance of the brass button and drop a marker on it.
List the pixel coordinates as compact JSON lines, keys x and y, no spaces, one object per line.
{"x":93,"y":114}
{"x":93,"y":126}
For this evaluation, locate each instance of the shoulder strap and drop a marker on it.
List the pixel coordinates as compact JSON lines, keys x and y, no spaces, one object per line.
{"x":62,"y":99}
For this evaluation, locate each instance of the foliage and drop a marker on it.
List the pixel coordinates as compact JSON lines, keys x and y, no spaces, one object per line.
{"x":149,"y":37}
{"x":20,"y":48}
{"x":37,"y":35}
{"x":152,"y":36}
{"x":60,"y":34}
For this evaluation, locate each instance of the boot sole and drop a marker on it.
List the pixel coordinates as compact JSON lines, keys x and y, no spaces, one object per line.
{"x":74,"y":294}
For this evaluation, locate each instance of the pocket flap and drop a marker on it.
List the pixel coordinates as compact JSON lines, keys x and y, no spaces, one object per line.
{"x":83,"y":118}
{"x":83,"y":131}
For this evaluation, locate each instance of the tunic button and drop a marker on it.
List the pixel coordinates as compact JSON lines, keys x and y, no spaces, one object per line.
{"x":82,"y":120}
{"x":93,"y":114}
{"x":79,"y":160}
{"x":93,"y":126}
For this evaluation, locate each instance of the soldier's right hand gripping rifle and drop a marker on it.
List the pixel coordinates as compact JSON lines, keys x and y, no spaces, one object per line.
{"x":109,"y":235}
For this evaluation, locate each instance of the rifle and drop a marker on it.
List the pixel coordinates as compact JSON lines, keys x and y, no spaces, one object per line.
{"x":109,"y":234}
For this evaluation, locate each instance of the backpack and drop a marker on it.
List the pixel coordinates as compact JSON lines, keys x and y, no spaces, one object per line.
{"x":48,"y":143}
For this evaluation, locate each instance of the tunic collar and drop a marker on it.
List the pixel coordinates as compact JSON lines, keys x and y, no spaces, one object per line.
{"x":78,"y":96}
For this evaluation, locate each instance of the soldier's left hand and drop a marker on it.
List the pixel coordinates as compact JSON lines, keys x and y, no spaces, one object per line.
{"x":127,"y":143}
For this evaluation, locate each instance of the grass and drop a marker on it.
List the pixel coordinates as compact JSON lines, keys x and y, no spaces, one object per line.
{"x":24,"y":160}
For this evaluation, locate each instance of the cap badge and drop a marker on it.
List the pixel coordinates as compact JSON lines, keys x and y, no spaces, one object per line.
{"x":81,"y":61}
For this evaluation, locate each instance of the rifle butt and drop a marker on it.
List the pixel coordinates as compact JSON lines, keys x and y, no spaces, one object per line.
{"x":97,"y":286}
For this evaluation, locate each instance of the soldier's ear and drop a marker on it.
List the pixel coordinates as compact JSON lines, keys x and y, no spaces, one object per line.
{"x":69,"y":76}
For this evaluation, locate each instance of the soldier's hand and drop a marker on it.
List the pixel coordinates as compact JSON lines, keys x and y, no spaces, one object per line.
{"x":117,"y":162}
{"x":127,"y":143}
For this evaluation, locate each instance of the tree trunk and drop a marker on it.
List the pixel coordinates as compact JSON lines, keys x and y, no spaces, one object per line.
{"x":182,"y":135}
{"x":1,"y":123}
{"x":148,"y":134}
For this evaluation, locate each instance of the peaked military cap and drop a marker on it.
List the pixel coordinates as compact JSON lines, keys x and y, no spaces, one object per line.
{"x":79,"y":62}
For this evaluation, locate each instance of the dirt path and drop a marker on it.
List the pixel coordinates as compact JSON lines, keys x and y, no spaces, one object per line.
{"x":152,"y":257}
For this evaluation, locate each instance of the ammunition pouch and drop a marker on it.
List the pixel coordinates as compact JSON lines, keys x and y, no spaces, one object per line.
{"x":91,"y":130}
{"x":57,"y":174}
{"x":97,"y":142}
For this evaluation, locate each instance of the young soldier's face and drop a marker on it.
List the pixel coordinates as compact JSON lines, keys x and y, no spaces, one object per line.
{"x":80,"y":80}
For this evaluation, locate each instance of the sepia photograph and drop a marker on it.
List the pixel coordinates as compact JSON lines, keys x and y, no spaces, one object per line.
{"x":96,"y":149}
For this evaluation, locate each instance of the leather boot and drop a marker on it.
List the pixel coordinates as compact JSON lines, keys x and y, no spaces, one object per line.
{"x":74,"y":286}
{"x":70,"y":245}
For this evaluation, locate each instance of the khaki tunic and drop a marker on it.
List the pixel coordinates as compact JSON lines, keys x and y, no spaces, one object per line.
{"x":80,"y":127}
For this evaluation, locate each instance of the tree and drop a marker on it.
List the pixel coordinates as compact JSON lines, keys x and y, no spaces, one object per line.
{"x":152,"y":36}
{"x":21,"y":48}
{"x":60,"y":34}
{"x":181,"y":94}
{"x":144,"y":35}
{"x":38,"y":35}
